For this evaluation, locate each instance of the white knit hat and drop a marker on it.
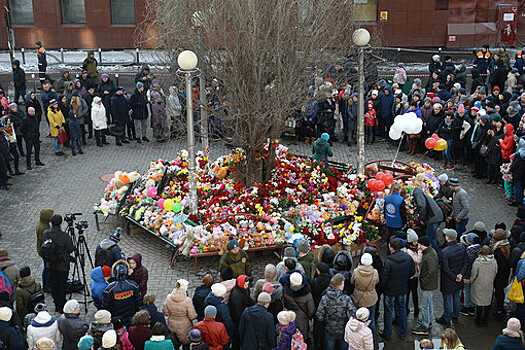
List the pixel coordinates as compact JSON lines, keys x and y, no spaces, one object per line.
{"x":285,"y":317}
{"x":218,"y":289}
{"x":71,"y":307}
{"x":109,"y":339}
{"x":412,"y":236}
{"x":367,"y":259}
{"x":5,"y":313}
{"x":362,"y":314}
{"x":296,"y":279}
{"x":183,"y":284}
{"x":103,"y":316}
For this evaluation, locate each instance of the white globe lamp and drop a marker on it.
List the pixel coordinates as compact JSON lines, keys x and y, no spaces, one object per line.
{"x":187,"y":60}
{"x":361,"y":37}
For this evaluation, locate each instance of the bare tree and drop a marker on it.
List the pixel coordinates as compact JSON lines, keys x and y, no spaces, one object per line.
{"x":262,"y":53}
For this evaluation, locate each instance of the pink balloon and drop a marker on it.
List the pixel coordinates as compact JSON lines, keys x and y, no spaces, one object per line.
{"x":152,"y":192}
{"x":161,"y":203}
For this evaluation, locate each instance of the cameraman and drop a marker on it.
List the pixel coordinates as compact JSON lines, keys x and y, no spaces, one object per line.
{"x":59,"y":268}
{"x":108,"y":251}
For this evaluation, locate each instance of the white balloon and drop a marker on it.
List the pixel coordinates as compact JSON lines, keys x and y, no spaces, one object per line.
{"x":394,"y":134}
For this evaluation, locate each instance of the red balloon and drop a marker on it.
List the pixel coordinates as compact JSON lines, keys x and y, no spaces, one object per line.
{"x":371,"y":184}
{"x":388,"y":179}
{"x":380,"y":185}
{"x":380,"y":175}
{"x":430,"y":143}
{"x":435,"y":136}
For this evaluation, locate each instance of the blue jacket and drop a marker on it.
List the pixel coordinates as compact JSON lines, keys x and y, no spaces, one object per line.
{"x":444,"y":95}
{"x":122,"y":297}
{"x":155,"y":315}
{"x":120,"y":109}
{"x":97,"y":285}
{"x":48,"y":96}
{"x":75,"y":132}
{"x":223,"y":312}
{"x":256,"y":329}
{"x":199,"y":296}
{"x":385,"y":104}
{"x":310,"y":111}
{"x":454,"y":261}
{"x":9,"y":335}
{"x":504,"y":342}
{"x":397,"y":270}
{"x":393,"y":210}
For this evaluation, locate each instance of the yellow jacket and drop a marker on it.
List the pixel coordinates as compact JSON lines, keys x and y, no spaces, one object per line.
{"x":55,"y":118}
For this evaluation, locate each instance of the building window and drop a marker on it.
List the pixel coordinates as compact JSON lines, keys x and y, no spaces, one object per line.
{"x":73,"y":11}
{"x":122,"y":11}
{"x":441,"y":4}
{"x":364,"y":11}
{"x":21,"y":11}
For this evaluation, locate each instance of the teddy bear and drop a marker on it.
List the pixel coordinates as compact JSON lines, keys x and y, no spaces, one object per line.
{"x":187,"y":240}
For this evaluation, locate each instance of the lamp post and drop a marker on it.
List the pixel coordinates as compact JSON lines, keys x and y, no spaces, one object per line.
{"x":361,"y":38}
{"x":198,"y":23}
{"x":188,"y":61}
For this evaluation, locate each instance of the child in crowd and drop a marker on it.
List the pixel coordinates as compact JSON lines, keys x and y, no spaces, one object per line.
{"x":370,"y":122}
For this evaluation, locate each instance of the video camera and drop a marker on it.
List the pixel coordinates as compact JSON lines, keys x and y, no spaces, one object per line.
{"x":69,"y":218}
{"x":81,"y":226}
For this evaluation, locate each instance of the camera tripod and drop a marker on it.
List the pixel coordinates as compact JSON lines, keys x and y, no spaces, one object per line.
{"x":81,"y":250}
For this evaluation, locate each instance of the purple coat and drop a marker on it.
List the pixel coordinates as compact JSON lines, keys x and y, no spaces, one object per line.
{"x":286,"y":336}
{"x":140,"y":274}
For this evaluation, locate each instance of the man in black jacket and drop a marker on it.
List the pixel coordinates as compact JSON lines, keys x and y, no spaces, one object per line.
{"x":19,"y":81}
{"x":397,"y":270}
{"x":319,"y":285}
{"x":30,"y":130}
{"x":454,"y":264}
{"x":120,"y":112}
{"x":256,"y":328}
{"x":59,"y":269}
{"x":139,"y":106}
{"x":4,"y":158}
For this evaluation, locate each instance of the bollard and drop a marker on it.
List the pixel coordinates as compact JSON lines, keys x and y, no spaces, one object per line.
{"x":439,"y":49}
{"x":116,"y":79}
{"x":138,"y":58}
{"x":23,"y":55}
{"x":34,"y":83}
{"x":62,"y":55}
{"x":99,"y":55}
{"x":398,"y":54}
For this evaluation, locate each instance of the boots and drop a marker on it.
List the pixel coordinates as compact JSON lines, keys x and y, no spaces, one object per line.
{"x":410,"y":142}
{"x":413,"y":147}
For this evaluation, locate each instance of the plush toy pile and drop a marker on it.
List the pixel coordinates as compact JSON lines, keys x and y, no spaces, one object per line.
{"x":303,"y":199}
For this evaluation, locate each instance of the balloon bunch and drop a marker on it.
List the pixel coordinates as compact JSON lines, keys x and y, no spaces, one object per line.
{"x":167,"y":204}
{"x":436,"y":143}
{"x":380,"y":182}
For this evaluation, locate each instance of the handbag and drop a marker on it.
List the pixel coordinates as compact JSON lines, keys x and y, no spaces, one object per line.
{"x":62,"y":136}
{"x":483,"y":150}
{"x":516,"y":292}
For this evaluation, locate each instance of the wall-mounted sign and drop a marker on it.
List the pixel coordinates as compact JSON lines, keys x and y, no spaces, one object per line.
{"x":508,"y":17}
{"x":451,"y":38}
{"x":383,"y":17}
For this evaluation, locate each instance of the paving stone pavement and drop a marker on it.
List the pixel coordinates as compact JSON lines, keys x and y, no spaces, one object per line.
{"x":72,"y":184}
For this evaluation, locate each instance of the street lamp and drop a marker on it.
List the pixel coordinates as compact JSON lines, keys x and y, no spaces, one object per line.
{"x":198,"y":22}
{"x":188,"y":61}
{"x":361,"y":38}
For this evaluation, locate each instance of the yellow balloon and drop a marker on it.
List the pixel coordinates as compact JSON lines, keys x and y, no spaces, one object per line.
{"x":168,"y":204}
{"x":440,"y":145}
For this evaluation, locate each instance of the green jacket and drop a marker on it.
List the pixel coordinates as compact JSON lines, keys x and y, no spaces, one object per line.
{"x":90,"y":64}
{"x":322,"y":150}
{"x":306,"y":262}
{"x":239,"y":263}
{"x":428,"y":275}
{"x":26,"y":287}
{"x":41,"y":226}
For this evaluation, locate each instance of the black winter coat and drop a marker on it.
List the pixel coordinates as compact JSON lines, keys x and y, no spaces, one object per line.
{"x":72,"y":328}
{"x":239,"y":300}
{"x":120,"y":109}
{"x":19,"y":76}
{"x":122,"y":297}
{"x":517,"y":229}
{"x":517,"y":168}
{"x":454,"y":261}
{"x":199,"y":296}
{"x":494,"y":152}
{"x":64,"y":245}
{"x":35,"y":104}
{"x":452,"y":131}
{"x":502,"y":276}
{"x":16,"y":119}
{"x":29,"y":126}
{"x":4,"y":150}
{"x":256,"y":329}
{"x":397,"y":270}
{"x":434,"y":121}
{"x":139,"y":105}
{"x":319,"y":285}
{"x":155,"y":315}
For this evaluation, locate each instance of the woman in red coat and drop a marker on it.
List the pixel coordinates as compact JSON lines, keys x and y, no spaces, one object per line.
{"x":508,"y":144}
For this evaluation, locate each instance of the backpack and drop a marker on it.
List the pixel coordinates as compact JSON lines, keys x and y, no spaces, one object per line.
{"x":298,"y":342}
{"x":446,"y":208}
{"x":5,"y":285}
{"x":50,"y":251}
{"x":34,"y":298}
{"x":104,"y":257}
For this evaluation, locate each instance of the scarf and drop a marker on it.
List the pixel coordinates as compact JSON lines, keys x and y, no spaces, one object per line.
{"x":448,"y":122}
